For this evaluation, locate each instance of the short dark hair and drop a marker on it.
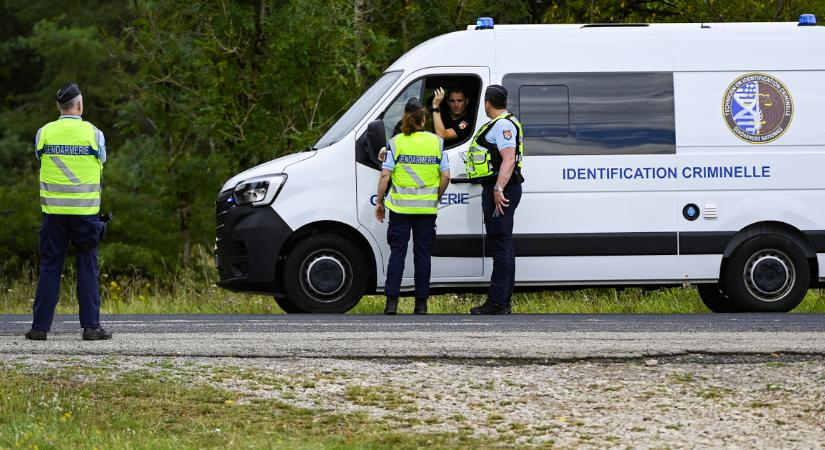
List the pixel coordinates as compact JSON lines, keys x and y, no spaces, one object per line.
{"x":458,"y":90}
{"x":496,"y":95}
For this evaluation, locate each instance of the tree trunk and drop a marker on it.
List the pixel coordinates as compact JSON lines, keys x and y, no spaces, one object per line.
{"x":405,"y":34}
{"x":185,"y":213}
{"x":359,"y":10}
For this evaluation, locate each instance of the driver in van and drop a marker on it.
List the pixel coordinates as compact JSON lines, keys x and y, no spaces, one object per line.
{"x":457,"y":126}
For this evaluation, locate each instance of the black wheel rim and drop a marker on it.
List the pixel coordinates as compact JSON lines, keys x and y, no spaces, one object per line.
{"x":769,"y":275}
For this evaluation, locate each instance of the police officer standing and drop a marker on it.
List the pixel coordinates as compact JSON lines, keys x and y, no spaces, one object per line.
{"x":71,"y":154}
{"x":420,"y":173}
{"x":501,"y":194}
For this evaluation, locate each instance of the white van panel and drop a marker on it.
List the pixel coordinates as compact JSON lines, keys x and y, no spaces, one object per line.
{"x":321,"y":188}
{"x":590,"y":269}
{"x":700,"y":120}
{"x":576,"y":52}
{"x":715,"y":49}
{"x":699,"y":267}
{"x":821,"y":261}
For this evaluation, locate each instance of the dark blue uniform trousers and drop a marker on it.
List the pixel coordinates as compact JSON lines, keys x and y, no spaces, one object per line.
{"x":499,"y":243}
{"x":56,"y":232}
{"x":398,"y":236}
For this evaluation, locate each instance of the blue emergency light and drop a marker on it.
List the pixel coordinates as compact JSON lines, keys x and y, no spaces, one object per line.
{"x":805,"y":20}
{"x":486,"y":23}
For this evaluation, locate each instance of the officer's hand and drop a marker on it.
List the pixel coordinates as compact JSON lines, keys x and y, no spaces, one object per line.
{"x":379,"y":211}
{"x":439,"y":96}
{"x":501,"y":201}
{"x":382,"y":154}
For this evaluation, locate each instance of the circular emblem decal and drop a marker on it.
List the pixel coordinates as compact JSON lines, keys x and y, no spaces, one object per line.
{"x":758,"y":108}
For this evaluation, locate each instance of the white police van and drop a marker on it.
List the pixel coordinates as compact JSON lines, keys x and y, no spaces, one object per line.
{"x":655,"y":155}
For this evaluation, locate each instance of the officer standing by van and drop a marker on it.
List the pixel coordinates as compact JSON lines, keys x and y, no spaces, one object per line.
{"x":499,"y":145}
{"x":71,"y":153}
{"x":420,"y":173}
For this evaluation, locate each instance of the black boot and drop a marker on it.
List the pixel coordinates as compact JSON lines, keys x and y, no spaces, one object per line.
{"x":420,"y":306}
{"x":34,"y":335}
{"x":96,"y":334}
{"x":489,"y":308}
{"x":392,"y":306}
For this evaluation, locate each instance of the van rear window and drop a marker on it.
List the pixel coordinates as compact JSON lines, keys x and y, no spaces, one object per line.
{"x":594,"y":113}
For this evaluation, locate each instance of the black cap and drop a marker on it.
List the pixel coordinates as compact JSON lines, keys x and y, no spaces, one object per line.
{"x":496,"y":94}
{"x":66,"y":93}
{"x":413,"y":105}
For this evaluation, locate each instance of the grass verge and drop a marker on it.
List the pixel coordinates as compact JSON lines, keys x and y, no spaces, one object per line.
{"x":72,"y":408}
{"x":196,"y":293}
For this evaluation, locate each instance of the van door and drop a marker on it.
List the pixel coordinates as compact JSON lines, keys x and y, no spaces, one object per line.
{"x":599,"y":201}
{"x":458,"y":248}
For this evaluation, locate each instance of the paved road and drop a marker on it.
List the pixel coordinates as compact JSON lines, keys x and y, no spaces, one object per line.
{"x":553,"y":337}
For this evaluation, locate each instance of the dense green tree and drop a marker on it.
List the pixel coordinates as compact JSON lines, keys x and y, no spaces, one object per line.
{"x":189,"y":93}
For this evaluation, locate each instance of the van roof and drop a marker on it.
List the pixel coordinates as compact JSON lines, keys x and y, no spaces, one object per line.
{"x":630,"y":28}
{"x":625,"y":47}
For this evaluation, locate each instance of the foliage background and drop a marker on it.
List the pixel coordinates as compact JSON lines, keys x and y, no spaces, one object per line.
{"x":189,"y":93}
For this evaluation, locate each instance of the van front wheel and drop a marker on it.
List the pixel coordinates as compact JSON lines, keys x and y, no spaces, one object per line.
{"x":324,"y":273}
{"x":767,"y":273}
{"x":716,"y":299}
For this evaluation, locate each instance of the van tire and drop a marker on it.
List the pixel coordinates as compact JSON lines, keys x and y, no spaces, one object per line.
{"x":286,"y":305}
{"x":716,"y":299}
{"x":324,"y":274}
{"x":767,"y":273}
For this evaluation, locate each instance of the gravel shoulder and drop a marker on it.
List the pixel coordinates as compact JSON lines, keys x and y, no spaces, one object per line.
{"x":695,"y":401}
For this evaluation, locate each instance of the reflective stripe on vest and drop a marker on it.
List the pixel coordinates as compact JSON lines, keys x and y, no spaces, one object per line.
{"x":480,"y":136}
{"x":416,"y":175}
{"x":69,"y":168}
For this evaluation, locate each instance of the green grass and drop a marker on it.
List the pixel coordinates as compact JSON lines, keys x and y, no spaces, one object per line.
{"x":54,"y":409}
{"x":196,"y":293}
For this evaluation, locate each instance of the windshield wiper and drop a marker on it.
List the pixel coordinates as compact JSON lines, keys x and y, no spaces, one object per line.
{"x":308,"y":149}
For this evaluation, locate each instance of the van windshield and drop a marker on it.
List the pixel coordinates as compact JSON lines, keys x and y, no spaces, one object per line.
{"x":357,"y":111}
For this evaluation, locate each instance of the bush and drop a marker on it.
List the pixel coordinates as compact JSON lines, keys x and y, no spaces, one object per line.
{"x":117,"y":258}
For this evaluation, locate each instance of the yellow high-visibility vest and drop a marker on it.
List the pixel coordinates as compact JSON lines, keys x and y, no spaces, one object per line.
{"x":70,"y":170}
{"x":416,"y":175}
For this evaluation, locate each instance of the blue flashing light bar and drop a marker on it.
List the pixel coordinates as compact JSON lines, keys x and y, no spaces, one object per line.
{"x":805,"y":20}
{"x":484,"y":23}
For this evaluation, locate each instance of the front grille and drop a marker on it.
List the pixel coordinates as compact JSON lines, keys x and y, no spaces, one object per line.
{"x":224,"y":203}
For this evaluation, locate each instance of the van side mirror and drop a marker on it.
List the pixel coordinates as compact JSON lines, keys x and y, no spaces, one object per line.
{"x":376,"y":139}
{"x":370,"y":143}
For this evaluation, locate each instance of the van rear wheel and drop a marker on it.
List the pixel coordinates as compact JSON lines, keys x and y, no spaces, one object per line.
{"x":767,"y":273}
{"x":716,"y":299}
{"x":324,"y":273}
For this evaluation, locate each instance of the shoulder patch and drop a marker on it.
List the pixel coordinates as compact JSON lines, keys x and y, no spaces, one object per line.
{"x":507,"y":134}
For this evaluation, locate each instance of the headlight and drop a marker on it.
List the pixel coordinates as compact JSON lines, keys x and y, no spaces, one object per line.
{"x":259,"y":191}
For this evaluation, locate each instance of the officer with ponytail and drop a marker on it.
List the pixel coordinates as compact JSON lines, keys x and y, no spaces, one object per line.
{"x":420,"y":173}
{"x":71,"y":153}
{"x":495,"y":159}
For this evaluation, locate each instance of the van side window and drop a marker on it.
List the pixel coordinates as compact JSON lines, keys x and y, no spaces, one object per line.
{"x":594,"y":113}
{"x":393,"y":114}
{"x":544,"y":110}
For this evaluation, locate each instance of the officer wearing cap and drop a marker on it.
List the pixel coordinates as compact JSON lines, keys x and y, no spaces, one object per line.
{"x":420,"y":173}
{"x":71,"y":153}
{"x":501,"y":194}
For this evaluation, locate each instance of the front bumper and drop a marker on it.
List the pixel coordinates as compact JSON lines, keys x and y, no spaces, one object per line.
{"x":248,"y":243}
